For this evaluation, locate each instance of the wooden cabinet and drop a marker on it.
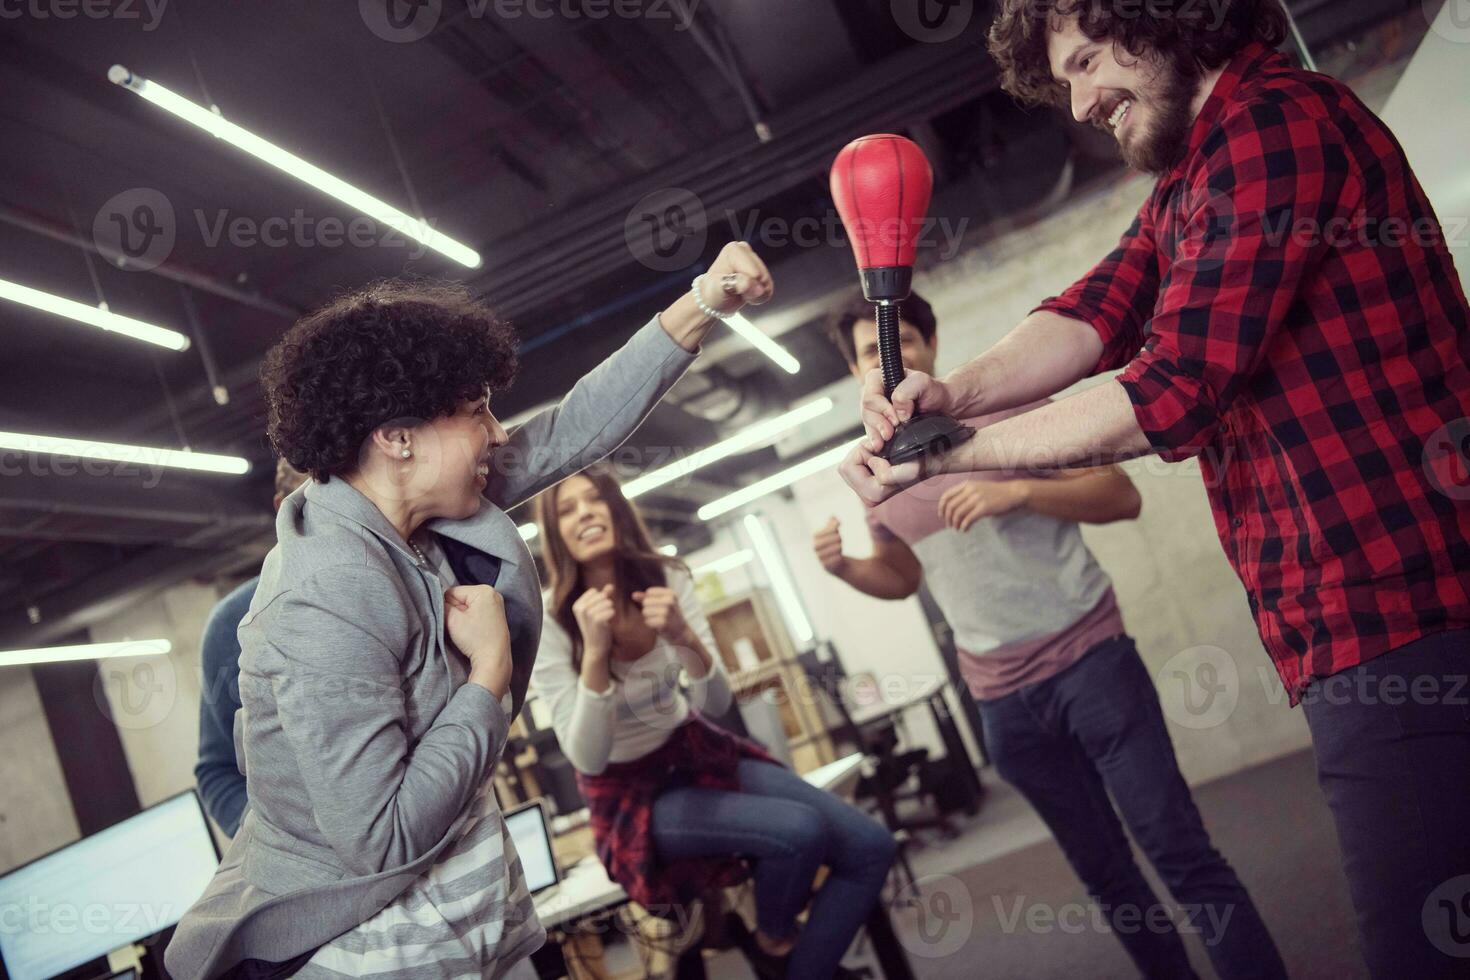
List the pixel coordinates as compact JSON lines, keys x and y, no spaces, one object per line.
{"x":760,"y":659}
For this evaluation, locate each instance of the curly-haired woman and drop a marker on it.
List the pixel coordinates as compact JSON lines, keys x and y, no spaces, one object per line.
{"x":391,"y":637}
{"x":678,"y":805}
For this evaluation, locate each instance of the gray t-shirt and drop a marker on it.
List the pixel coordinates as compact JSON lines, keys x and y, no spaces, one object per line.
{"x":1021,"y":591}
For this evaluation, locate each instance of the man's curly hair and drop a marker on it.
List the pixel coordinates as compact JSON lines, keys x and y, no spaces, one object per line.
{"x":1188,"y":34}
{"x":395,"y":351}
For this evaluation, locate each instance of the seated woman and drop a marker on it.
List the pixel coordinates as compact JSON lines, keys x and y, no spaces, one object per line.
{"x":677,"y":804}
{"x":391,"y":637}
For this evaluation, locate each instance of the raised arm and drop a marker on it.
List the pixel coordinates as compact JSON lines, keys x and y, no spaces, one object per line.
{"x":608,"y":403}
{"x":1096,"y":325}
{"x":1236,"y":275}
{"x":597,"y":416}
{"x":1237,"y":272}
{"x":1094,"y":496}
{"x":893,"y":571}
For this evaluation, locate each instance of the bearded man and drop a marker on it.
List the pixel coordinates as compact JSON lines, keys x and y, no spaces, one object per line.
{"x":1285,"y":308}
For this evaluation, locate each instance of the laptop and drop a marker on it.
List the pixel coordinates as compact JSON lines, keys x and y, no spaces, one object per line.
{"x":530,"y":832}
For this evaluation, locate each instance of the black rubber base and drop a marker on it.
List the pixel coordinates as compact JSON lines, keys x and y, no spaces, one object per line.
{"x":890,"y":283}
{"x":924,"y":435}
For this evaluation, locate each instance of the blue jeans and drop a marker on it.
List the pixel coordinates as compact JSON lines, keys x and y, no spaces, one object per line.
{"x":1096,"y":728}
{"x":789,"y":829}
{"x":1392,"y":738}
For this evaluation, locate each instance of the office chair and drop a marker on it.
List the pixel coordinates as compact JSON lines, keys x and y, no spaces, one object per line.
{"x":889,"y":770}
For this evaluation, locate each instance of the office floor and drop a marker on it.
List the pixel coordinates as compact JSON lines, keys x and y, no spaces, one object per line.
{"x":1004,"y":870}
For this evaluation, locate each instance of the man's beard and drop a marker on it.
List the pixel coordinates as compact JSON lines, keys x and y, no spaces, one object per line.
{"x":1157,"y":148}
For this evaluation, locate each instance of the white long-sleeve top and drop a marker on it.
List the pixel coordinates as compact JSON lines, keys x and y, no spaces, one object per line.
{"x":644,"y":704}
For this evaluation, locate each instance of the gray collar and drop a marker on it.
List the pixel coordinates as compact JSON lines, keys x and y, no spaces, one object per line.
{"x":490,"y":530}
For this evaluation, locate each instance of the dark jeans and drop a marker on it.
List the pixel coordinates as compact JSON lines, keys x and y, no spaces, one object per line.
{"x":1392,"y":738}
{"x":1096,"y":728}
{"x":790,"y":828}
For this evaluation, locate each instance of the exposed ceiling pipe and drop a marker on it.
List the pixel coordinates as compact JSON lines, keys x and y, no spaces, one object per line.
{"x":590,"y":242}
{"x":19,"y":218}
{"x":719,"y":51}
{"x":121,"y":586}
{"x":1300,"y":43}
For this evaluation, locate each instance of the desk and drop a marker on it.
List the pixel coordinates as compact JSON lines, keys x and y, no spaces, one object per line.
{"x":931,"y":692}
{"x":587,"y":891}
{"x":838,"y":778}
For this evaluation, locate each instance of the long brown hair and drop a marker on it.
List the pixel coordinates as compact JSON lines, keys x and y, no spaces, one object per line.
{"x":637,"y":564}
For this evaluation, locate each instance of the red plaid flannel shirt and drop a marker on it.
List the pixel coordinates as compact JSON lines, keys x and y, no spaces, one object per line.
{"x":1287,"y":311}
{"x":620,"y":808}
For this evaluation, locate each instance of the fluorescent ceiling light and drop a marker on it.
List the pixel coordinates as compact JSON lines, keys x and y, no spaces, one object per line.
{"x":725,"y":564}
{"x":267,"y":152}
{"x":528,"y":531}
{"x":771,"y":484}
{"x":752,"y":435}
{"x":85,"y":651}
{"x":117,"y":453}
{"x":781,"y":584}
{"x":764,"y":344}
{"x":93,"y":316}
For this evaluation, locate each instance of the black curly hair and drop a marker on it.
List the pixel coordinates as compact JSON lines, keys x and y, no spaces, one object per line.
{"x":396,"y":350}
{"x":1195,"y":38}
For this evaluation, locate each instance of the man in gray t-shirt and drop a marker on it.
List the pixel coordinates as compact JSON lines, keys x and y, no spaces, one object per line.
{"x":1070,"y":712}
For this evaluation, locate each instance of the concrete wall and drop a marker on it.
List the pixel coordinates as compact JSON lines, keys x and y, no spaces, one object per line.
{"x":35,"y":813}
{"x":1429,"y":112}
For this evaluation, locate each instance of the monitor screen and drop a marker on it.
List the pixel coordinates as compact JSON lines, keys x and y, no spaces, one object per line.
{"x":532,"y":838}
{"x":116,"y":887}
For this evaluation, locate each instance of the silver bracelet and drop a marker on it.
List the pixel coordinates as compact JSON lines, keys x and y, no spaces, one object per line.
{"x":704,"y":307}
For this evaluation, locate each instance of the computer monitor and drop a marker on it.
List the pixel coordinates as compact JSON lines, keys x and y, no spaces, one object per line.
{"x":531,"y":834}
{"x":118,"y":886}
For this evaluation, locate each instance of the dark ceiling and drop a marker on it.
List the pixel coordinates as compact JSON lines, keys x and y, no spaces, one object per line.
{"x":531,"y":138}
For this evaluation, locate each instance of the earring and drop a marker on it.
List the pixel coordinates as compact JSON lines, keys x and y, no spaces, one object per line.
{"x":407,"y":453}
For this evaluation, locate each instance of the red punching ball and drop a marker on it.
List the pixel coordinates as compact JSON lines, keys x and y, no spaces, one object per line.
{"x":882,"y":185}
